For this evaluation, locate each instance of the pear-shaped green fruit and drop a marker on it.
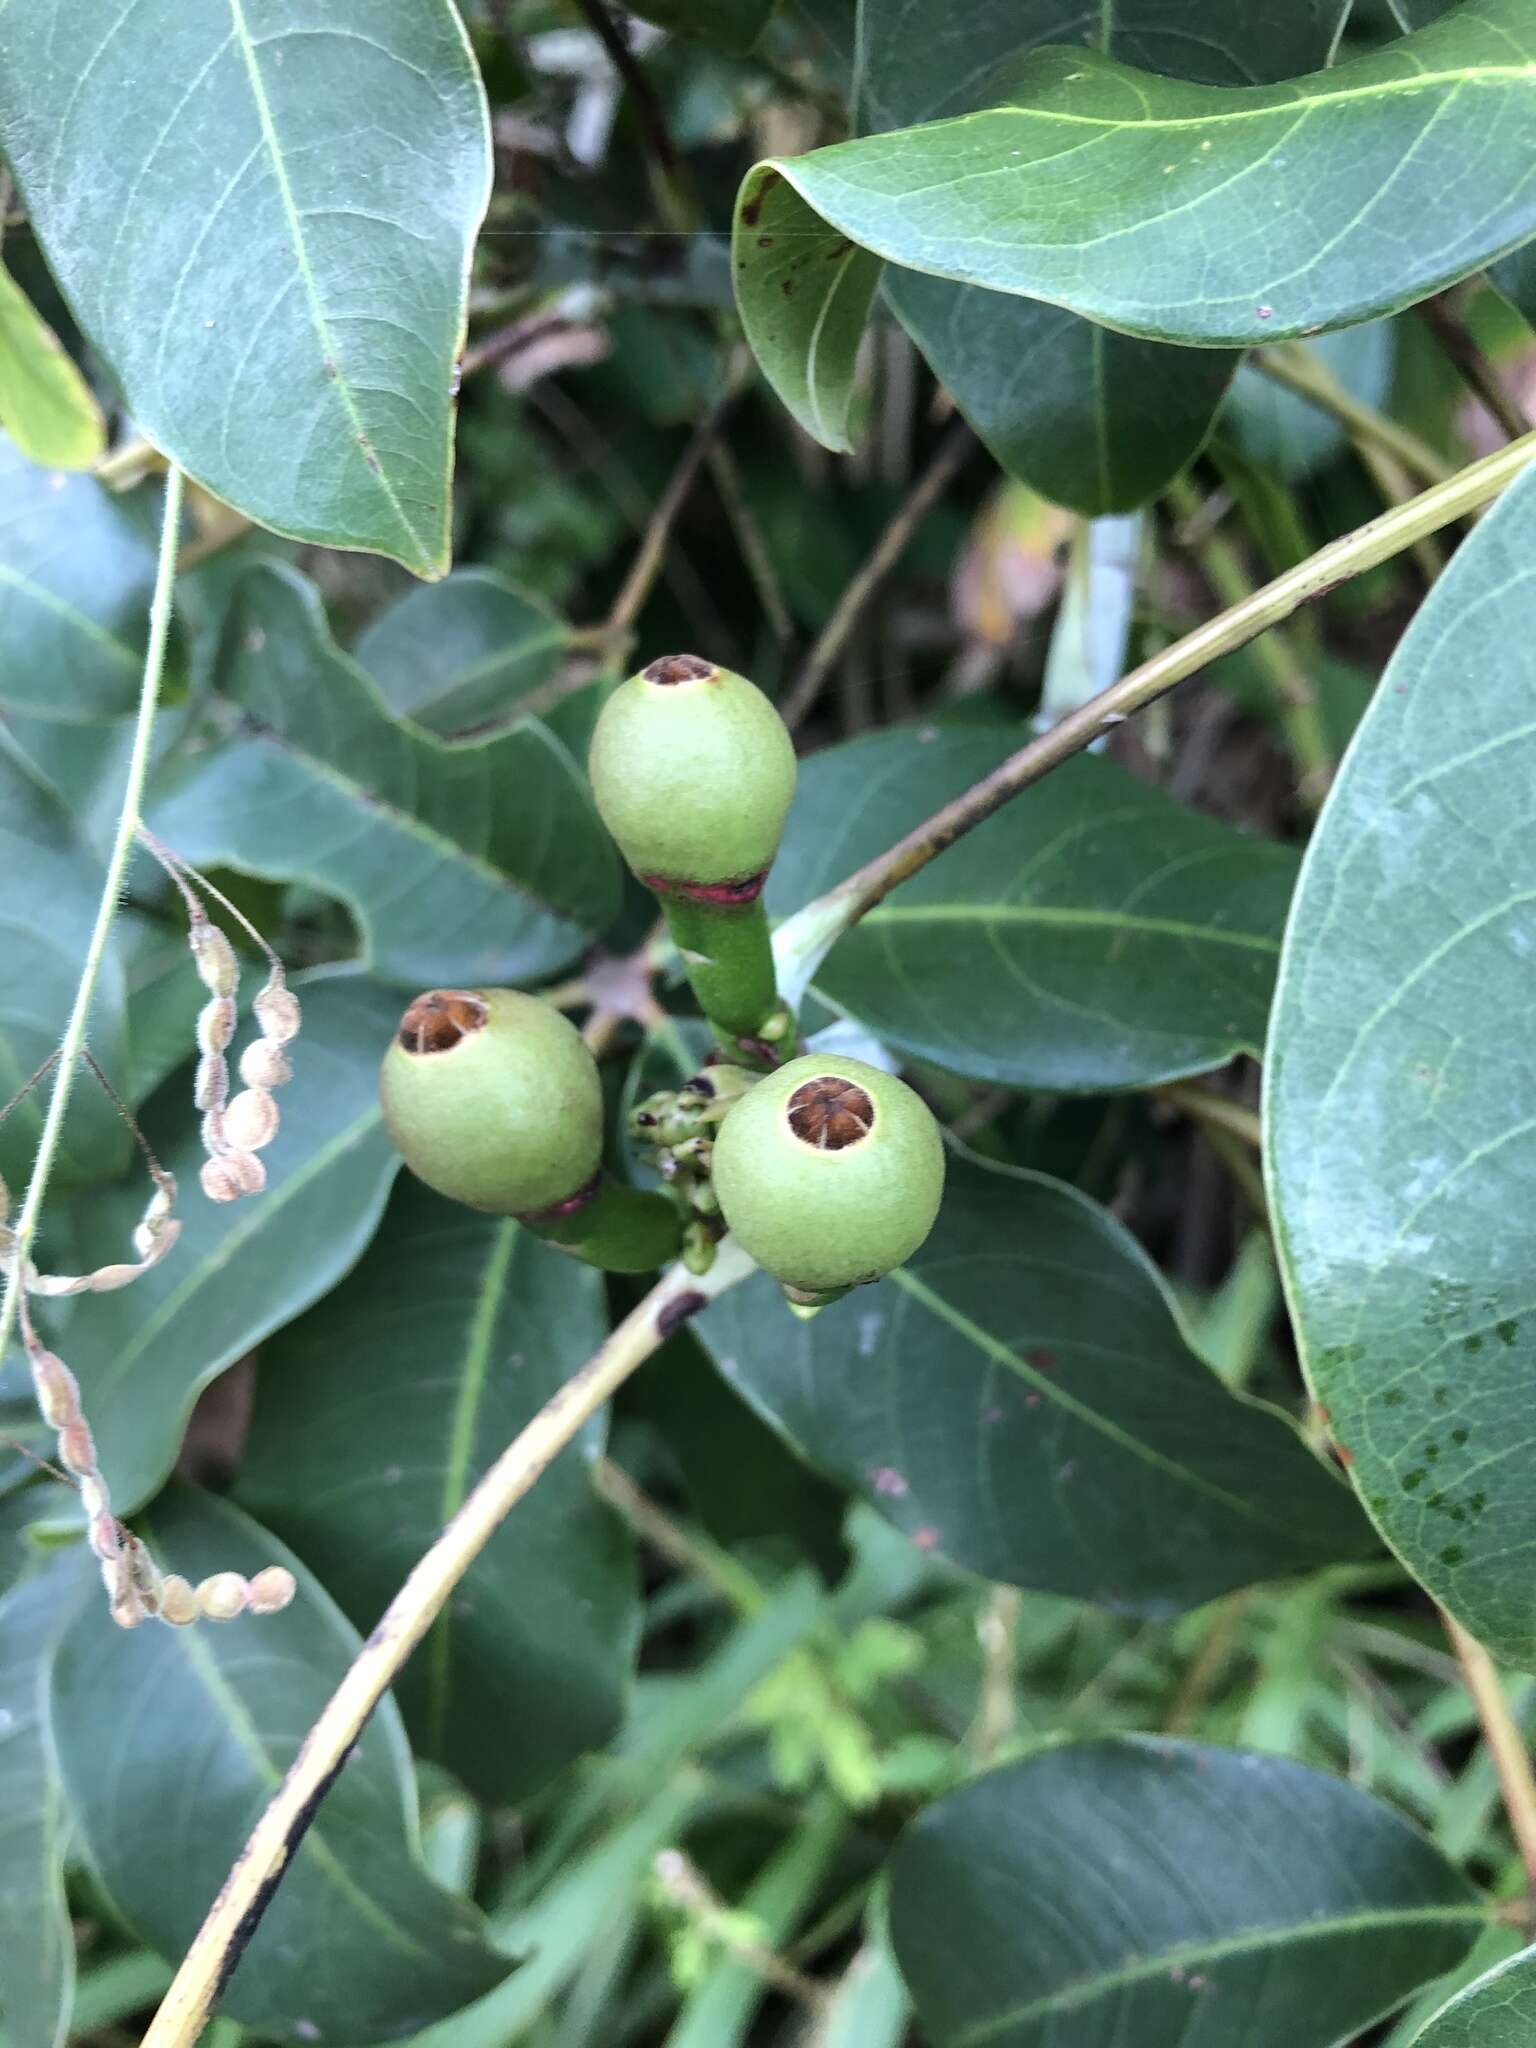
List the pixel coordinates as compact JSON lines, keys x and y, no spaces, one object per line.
{"x":692,"y":769}
{"x":493,"y":1098}
{"x":829,"y":1173}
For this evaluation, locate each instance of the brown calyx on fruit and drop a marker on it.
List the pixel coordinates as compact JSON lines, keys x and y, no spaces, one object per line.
{"x":679,"y":668}
{"x":830,"y":1113}
{"x":726,"y":895}
{"x":437,"y":1021}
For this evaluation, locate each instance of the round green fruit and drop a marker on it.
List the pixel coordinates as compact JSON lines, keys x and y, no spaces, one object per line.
{"x":693,"y":770}
{"x":829,"y":1173}
{"x":493,"y":1098}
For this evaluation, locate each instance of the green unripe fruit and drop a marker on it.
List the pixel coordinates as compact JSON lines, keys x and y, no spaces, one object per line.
{"x":829,"y":1173}
{"x":693,"y":770}
{"x":493,"y":1098}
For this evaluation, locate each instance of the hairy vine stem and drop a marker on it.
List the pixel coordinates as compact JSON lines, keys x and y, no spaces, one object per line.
{"x":72,"y":1044}
{"x":236,"y":1912}
{"x":804,"y":940}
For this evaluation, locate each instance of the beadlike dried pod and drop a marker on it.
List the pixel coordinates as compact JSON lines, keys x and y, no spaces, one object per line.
{"x":229,"y":1175}
{"x":264,"y":1064}
{"x":830,"y":1173}
{"x":213,"y":956}
{"x":250,"y":1120}
{"x":270,"y":1590}
{"x":277,"y":1010}
{"x":222,"y":1597}
{"x":178,"y":1601}
{"x":77,"y":1447}
{"x":216,"y":1024}
{"x":57,"y":1389}
{"x":210,"y":1088}
{"x":103,"y":1537}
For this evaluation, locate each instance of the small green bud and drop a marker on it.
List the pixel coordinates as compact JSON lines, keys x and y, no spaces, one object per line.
{"x":493,"y":1098}
{"x":830,"y":1173}
{"x":693,"y":769}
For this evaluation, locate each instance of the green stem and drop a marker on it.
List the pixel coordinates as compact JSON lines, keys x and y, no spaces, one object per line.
{"x":1290,"y":687}
{"x":72,"y":1043}
{"x":619,"y":1228}
{"x":803,"y":941}
{"x":1295,"y":366}
{"x":728,"y":955}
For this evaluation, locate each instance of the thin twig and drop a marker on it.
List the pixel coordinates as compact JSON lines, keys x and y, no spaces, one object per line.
{"x":686,"y":1885}
{"x":73,"y":1041}
{"x":1294,"y":698}
{"x":648,"y":108}
{"x":1298,"y":369}
{"x":997,"y":1630}
{"x":236,"y":1912}
{"x":1506,"y":1741}
{"x":803,"y":941}
{"x":1207,"y":1107}
{"x":655,"y":1526}
{"x":653,"y":542}
{"x":1445,"y":323}
{"x":830,"y":642}
{"x":749,"y":533}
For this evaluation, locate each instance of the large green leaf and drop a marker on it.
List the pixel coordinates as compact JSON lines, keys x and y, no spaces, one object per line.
{"x":1093,"y":419}
{"x":1220,"y":216}
{"x":37,"y":1944}
{"x":1021,"y":1399}
{"x":1498,"y":2011}
{"x":75,"y":577}
{"x":462,"y":652}
{"x":478,"y":862}
{"x":262,"y":216}
{"x":50,"y":885}
{"x":1094,"y":934}
{"x":1400,"y":1104}
{"x":1169,"y":1895}
{"x":377,"y":1413}
{"x":172,"y":1742}
{"x":144,"y":1354}
{"x":46,"y":406}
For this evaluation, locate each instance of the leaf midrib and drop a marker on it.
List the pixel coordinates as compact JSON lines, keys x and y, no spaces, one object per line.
{"x":416,"y":546}
{"x":461,"y":1443}
{"x":1002,"y":1354}
{"x":1065,"y":914}
{"x":1253,"y":1941}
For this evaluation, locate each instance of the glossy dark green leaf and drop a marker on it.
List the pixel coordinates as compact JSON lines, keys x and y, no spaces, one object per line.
{"x":75,"y":577}
{"x":235,"y":203}
{"x":481,"y":862}
{"x":144,"y":1354}
{"x":377,"y":1413}
{"x":37,"y":1943}
{"x":1094,"y":934}
{"x":173,"y":1740}
{"x":1095,"y":420}
{"x":50,"y":885}
{"x":462,"y":652}
{"x":1400,"y":1107}
{"x":46,"y":406}
{"x":1021,"y":1399}
{"x":1171,"y":1895}
{"x":1214,"y":216}
{"x":732,"y":25}
{"x":1498,"y":2011}
{"x":1515,"y":277}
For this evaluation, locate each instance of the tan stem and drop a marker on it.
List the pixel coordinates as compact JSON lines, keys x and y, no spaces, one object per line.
{"x":812,"y":931}
{"x":237,"y":1910}
{"x":1505,"y":1740}
{"x":1299,"y":370}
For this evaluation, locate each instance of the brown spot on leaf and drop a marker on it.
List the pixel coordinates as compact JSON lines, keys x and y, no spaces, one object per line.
{"x":752,"y":212}
{"x":830,"y":1113}
{"x":436,"y":1021}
